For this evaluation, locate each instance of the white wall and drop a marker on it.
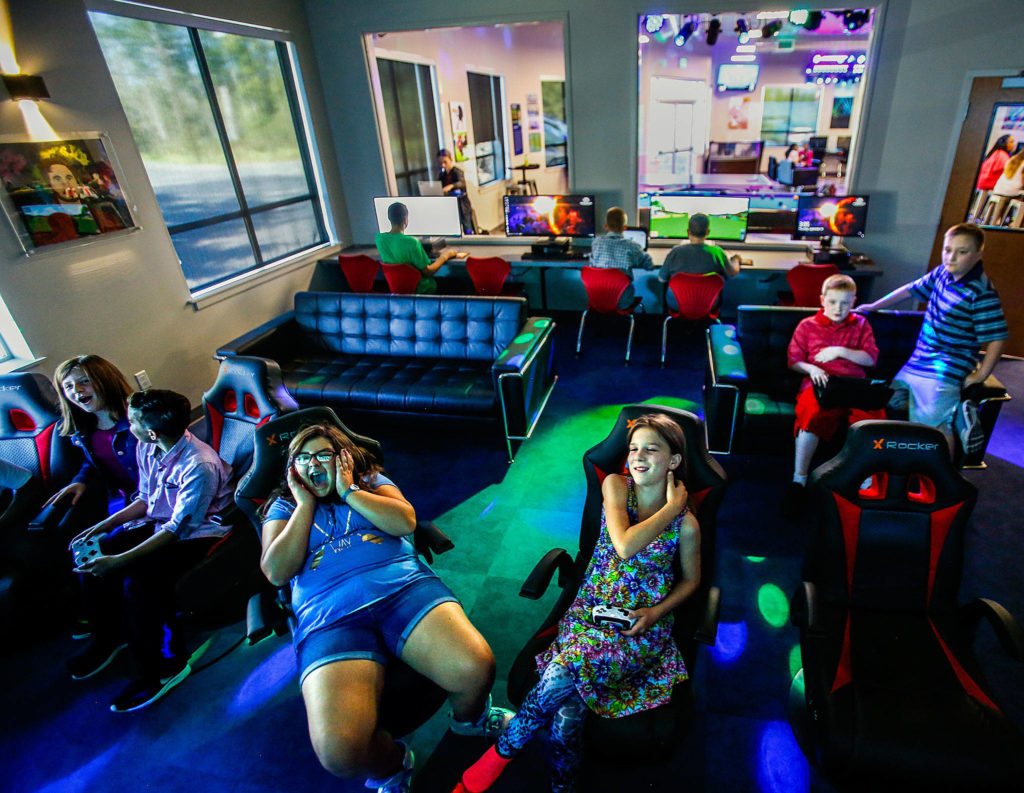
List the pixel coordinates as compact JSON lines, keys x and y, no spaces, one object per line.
{"x":125,"y":298}
{"x":523,"y":55}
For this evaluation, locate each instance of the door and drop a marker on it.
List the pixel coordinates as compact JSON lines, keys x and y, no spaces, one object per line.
{"x":678,"y":118}
{"x":1004,"y":247}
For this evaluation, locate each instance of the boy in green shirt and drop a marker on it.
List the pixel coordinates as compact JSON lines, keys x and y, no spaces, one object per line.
{"x":396,"y":247}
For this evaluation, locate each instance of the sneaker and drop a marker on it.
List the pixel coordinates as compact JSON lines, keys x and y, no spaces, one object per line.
{"x":967,"y":423}
{"x":80,"y":629}
{"x":93,"y":659}
{"x":793,"y":501}
{"x":491,"y":724}
{"x":399,"y":782}
{"x":146,"y":691}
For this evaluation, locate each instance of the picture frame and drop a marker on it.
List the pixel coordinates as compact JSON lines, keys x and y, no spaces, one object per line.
{"x":64,"y":191}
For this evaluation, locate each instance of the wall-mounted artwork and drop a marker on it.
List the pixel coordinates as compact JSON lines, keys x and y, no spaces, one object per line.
{"x":460,"y":135}
{"x":61,"y":191}
{"x":842,"y":109}
{"x":999,"y":185}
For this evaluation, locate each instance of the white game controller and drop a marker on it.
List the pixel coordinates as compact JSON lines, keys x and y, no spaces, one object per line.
{"x":85,"y":551}
{"x":612,"y":615}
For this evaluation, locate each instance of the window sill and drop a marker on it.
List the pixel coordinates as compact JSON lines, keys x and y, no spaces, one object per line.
{"x":243,"y":283}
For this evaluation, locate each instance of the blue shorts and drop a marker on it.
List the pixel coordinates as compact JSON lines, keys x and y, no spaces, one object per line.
{"x":375,"y":632}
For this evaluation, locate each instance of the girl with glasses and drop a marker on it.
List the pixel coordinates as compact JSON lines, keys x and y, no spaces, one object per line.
{"x":339,"y":532}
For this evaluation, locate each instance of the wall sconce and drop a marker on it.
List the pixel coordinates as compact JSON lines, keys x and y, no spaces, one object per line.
{"x":25,"y":86}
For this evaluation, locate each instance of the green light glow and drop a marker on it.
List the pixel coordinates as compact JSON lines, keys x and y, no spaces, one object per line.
{"x":795,"y":661}
{"x":755,"y":559}
{"x":754,"y":406}
{"x":522,"y":338}
{"x":772,"y":603}
{"x":673,"y":402}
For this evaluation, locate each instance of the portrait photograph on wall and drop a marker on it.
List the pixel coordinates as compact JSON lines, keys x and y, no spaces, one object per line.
{"x":998,"y":199}
{"x":63,"y":190}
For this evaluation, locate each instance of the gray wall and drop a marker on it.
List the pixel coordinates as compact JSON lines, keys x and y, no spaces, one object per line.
{"x":125,"y":298}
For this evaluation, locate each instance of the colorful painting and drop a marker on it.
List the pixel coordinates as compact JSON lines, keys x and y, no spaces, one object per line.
{"x":460,"y":134}
{"x":999,"y":180}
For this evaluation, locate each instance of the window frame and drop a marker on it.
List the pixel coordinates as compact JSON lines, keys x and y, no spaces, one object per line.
{"x":501,"y":169}
{"x":771,"y":136}
{"x":430,"y":148}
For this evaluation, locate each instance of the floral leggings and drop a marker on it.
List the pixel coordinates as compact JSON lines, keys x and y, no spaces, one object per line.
{"x":553,"y":700}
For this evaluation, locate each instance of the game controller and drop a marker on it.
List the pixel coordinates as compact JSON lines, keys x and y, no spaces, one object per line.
{"x":85,"y":551}
{"x":612,"y":615}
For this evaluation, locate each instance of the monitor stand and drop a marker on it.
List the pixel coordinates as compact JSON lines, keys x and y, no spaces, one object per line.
{"x":552,"y":245}
{"x":433,"y":245}
{"x":826,"y":254}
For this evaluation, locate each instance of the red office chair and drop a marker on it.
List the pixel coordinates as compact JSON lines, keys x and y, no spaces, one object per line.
{"x":604,"y":287}
{"x":488,"y":275}
{"x":360,"y":270}
{"x":402,"y":278}
{"x":805,"y":280}
{"x":697,"y":297}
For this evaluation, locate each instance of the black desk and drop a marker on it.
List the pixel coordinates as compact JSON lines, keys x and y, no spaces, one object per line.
{"x":533,"y":166}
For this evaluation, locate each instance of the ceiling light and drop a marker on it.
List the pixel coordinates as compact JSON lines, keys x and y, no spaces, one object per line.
{"x":746,"y":48}
{"x":856,"y":18}
{"x":743,"y":58}
{"x":654,"y":22}
{"x":813,"y":21}
{"x":798,"y":17}
{"x":684,"y":33}
{"x":771,"y":29}
{"x":714,"y":28}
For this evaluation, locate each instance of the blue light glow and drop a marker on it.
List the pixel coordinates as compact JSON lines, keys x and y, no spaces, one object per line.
{"x":264,"y":681}
{"x":730,"y":642}
{"x":782,"y":767}
{"x":84,"y":778}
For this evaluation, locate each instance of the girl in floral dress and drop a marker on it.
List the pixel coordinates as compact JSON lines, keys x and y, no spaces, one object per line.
{"x":645,"y":523}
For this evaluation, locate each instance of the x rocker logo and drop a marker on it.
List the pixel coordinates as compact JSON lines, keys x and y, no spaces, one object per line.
{"x":882,"y":444}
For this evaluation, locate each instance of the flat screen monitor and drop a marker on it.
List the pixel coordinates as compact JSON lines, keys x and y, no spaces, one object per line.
{"x":637,"y":234}
{"x":738,"y":76}
{"x":549,"y":215}
{"x":831,"y":216}
{"x":670,"y":215}
{"x":429,"y":216}
{"x":772,"y":214}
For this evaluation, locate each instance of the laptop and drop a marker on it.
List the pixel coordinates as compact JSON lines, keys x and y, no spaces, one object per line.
{"x":853,"y":392}
{"x":430,"y":188}
{"x":636,"y":233}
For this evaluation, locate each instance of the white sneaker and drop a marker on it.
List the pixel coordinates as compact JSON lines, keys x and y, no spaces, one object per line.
{"x":399,"y":782}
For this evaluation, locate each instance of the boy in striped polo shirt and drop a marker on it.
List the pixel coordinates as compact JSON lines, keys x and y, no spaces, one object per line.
{"x":963,"y":314}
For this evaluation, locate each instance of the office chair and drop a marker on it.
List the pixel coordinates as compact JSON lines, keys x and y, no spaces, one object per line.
{"x":697,"y":297}
{"x":402,"y":278}
{"x":360,"y":271}
{"x":649,"y":735}
{"x":605,"y":287}
{"x":805,"y":281}
{"x":891,"y":695}
{"x":489,"y":275}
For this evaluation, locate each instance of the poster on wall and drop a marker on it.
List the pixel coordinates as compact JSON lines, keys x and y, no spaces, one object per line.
{"x":739,"y":112}
{"x":535,"y":144}
{"x":62,"y":190}
{"x":842,"y":109}
{"x":517,"y":128}
{"x":460,"y":135}
{"x":533,"y":114}
{"x":1000,"y":175}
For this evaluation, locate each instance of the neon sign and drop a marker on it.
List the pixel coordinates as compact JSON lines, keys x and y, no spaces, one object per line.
{"x":844,"y":67}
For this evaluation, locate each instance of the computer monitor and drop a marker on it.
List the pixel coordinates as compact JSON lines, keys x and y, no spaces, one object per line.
{"x":737,"y":76}
{"x":772,"y":214}
{"x":636,"y":233}
{"x":549,"y":215}
{"x":831,"y":216}
{"x":670,"y":215}
{"x":429,"y":216}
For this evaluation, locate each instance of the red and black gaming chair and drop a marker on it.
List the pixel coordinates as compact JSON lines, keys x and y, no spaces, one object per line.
{"x":247,"y":393}
{"x":409,"y":698}
{"x":651,"y":735}
{"x":30,"y":439}
{"x":891,"y":695}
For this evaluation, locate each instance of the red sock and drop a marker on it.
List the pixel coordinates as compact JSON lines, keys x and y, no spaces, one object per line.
{"x":483,"y":773}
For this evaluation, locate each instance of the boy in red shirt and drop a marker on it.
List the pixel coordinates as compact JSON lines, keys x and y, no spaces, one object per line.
{"x":834,"y":341}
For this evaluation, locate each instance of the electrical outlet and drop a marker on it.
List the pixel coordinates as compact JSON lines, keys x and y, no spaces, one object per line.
{"x":143,"y":379}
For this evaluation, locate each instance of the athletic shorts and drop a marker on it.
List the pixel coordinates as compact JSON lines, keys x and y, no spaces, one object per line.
{"x":928,"y":401}
{"x":823,"y":422}
{"x":375,"y":632}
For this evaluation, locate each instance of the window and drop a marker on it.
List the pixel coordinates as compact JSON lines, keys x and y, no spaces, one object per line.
{"x":410,"y":107}
{"x":552,"y":96}
{"x":790,"y":114}
{"x":217,"y":121}
{"x":485,"y":104}
{"x":14,"y":351}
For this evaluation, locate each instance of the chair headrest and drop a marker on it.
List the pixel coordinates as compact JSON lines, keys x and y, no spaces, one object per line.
{"x":248,"y":389}
{"x":28,"y":404}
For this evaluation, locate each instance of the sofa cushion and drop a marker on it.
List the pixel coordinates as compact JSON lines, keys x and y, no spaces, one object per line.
{"x":424,"y":385}
{"x":413,"y":326}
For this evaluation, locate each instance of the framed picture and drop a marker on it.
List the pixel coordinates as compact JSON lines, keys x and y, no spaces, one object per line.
{"x":61,"y":191}
{"x":842,"y":109}
{"x":999,"y":180}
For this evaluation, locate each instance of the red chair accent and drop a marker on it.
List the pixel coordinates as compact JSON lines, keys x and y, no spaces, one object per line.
{"x":360,"y":270}
{"x":402,"y":278}
{"x":605,"y":286}
{"x":697,"y":297}
{"x":805,"y":280}
{"x":488,"y":275}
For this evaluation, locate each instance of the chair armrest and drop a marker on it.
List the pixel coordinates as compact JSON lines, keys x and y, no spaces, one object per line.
{"x":805,"y":609}
{"x":536,"y":583}
{"x":707,"y":631}
{"x":524,"y":377}
{"x":430,"y":540}
{"x":266,"y":613}
{"x":725,"y":356}
{"x":521,"y":351}
{"x":1007,"y":629}
{"x":262,"y":339}
{"x":991,"y":388}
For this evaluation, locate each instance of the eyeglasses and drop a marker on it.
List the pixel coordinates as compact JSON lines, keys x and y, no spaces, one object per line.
{"x":303,"y":459}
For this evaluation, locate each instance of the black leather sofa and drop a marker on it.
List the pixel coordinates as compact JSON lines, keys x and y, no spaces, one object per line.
{"x":750,"y":394}
{"x":436,"y":355}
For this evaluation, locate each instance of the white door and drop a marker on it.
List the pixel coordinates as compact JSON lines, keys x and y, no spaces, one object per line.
{"x":676,"y":131}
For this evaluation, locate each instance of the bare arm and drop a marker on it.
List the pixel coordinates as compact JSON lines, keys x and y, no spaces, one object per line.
{"x":630,"y":540}
{"x":133,"y":511}
{"x":385,"y":507}
{"x":992,"y":354}
{"x":895,"y":296}
{"x":285,"y":541}
{"x":818,"y":375}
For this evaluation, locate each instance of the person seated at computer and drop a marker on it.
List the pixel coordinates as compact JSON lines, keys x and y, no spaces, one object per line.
{"x":615,"y":251}
{"x":834,"y":341}
{"x":453,"y":183}
{"x":397,"y":247}
{"x":696,"y":256}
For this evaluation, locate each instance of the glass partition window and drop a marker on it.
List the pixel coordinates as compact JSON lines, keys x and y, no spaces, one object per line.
{"x":216,"y":119}
{"x":790,"y":115}
{"x":556,"y":147}
{"x":410,"y":107}
{"x":485,"y":105}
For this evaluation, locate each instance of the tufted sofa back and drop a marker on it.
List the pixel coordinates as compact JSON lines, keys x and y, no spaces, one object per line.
{"x":417,"y":326}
